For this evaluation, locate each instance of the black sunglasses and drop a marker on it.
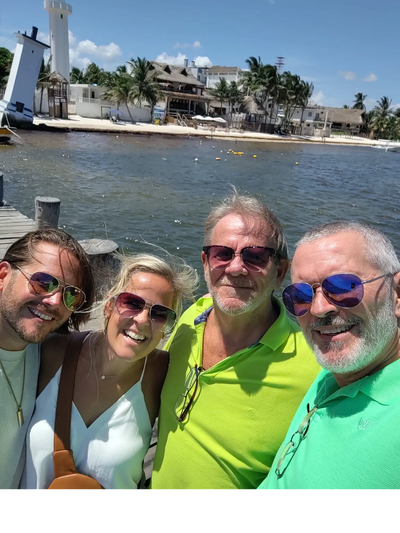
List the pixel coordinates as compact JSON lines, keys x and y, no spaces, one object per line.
{"x":255,"y":258}
{"x":129,"y":305}
{"x":184,"y":401}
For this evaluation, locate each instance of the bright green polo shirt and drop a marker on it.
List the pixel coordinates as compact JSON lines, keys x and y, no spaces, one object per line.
{"x":243,"y":406}
{"x":352,"y":440}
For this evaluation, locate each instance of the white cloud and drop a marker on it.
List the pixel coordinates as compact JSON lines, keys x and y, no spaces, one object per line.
{"x":318,"y":98}
{"x":71,"y":38}
{"x":43,"y":37}
{"x":75,"y":60}
{"x":107,"y":52}
{"x":347,"y":74}
{"x":202,"y":61}
{"x":171,"y":60}
{"x":370,"y":77}
{"x":196,"y":44}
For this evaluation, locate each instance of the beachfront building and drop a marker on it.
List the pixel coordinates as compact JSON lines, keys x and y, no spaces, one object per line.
{"x":227,"y":73}
{"x":87,"y":101}
{"x":183,"y":93}
{"x":59,"y":38}
{"x":322,"y":120}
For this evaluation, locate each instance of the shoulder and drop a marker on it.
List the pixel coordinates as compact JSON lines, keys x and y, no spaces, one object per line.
{"x":51,"y":357}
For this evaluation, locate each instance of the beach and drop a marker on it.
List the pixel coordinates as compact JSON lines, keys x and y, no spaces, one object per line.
{"x":78,"y":123}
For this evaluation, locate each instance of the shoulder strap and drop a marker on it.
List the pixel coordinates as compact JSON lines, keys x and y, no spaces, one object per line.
{"x":62,"y":425}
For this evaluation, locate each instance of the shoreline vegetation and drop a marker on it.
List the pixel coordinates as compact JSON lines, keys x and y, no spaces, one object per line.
{"x":93,"y":125}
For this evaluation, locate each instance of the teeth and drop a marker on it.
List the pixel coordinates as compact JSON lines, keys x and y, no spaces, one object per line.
{"x":334,"y":331}
{"x":134,"y":336}
{"x":40,"y":315}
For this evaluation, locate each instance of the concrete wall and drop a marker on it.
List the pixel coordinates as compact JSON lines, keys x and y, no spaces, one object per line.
{"x":98,"y":109}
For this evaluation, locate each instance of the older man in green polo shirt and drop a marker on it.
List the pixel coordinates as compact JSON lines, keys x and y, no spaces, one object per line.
{"x":239,"y":367}
{"x":346,"y":296}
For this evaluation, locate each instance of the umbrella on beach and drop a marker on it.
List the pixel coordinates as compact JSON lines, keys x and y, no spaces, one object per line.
{"x":220,"y":119}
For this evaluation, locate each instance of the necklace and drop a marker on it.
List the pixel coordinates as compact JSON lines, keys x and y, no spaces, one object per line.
{"x":20,"y":414}
{"x":103,"y":376}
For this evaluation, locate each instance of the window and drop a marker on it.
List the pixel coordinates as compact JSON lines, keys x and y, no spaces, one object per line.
{"x":310,"y":113}
{"x":62,"y":16}
{"x":19,"y":107}
{"x":93,"y":94}
{"x":85,"y":93}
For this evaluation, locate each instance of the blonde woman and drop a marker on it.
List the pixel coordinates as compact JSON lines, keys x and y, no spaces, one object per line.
{"x":119,"y":377}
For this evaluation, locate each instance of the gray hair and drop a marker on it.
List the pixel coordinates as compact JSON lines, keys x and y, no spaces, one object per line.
{"x":378,"y":249}
{"x":247,"y":206}
{"x":182,"y":277}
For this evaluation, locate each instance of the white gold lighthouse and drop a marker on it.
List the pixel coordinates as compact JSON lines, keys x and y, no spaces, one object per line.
{"x":59,"y":42}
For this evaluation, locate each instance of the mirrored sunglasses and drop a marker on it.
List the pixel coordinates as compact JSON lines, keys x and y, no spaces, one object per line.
{"x":342,"y":290}
{"x":255,"y":258}
{"x":44,"y":284}
{"x":129,"y":305}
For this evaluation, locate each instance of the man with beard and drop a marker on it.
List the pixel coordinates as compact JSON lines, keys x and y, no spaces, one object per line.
{"x":346,"y":296}
{"x":238,"y":366}
{"x":45,"y":278}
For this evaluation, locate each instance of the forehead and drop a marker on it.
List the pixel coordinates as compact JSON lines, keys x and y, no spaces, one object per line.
{"x":57,"y":261}
{"x":339,"y":253}
{"x":236,"y":227}
{"x":151,"y":287}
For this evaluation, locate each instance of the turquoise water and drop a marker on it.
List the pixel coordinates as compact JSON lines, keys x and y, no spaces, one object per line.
{"x":132,"y":188}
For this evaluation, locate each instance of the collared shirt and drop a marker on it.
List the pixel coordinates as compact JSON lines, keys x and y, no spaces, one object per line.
{"x":351,"y":442}
{"x":242,"y":408}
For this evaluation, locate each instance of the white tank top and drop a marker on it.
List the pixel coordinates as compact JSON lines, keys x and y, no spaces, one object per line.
{"x":111,"y":449}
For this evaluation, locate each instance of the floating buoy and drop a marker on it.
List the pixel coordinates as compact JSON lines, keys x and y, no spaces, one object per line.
{"x":163,"y":158}
{"x":213,"y":147}
{"x":221,"y":151}
{"x":218,"y":159}
{"x":254,"y":156}
{"x":296,"y":163}
{"x":195,"y":159}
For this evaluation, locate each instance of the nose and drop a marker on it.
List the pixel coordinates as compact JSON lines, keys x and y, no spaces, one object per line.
{"x":236,"y":267}
{"x":143,"y":317}
{"x":55,"y":299}
{"x":320,"y":305}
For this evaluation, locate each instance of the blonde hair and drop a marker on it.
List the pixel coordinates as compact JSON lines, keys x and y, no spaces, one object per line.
{"x":182,"y":278}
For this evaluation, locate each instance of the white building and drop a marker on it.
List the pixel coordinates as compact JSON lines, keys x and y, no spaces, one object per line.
{"x":214,"y":74}
{"x":18,"y":98}
{"x":59,"y":42}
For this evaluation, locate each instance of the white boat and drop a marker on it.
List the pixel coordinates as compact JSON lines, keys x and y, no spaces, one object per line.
{"x":388,"y":147}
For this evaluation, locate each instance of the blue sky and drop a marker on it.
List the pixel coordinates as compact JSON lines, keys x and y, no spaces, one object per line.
{"x":342,"y":46}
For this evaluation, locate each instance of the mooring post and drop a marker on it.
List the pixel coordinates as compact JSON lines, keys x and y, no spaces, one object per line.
{"x":47,"y":212}
{"x":105,"y":263}
{"x":1,"y":189}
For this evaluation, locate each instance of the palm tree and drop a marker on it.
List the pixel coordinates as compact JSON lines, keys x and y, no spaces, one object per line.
{"x":392,"y":128}
{"x":220,"y":91}
{"x":306,"y":93}
{"x":359,"y":101}
{"x":144,"y":87}
{"x":290,"y":95}
{"x":119,"y":90}
{"x":368,"y":122}
{"x":382,"y":113}
{"x":345,"y":106}
{"x":77,"y":76}
{"x":235,"y":95}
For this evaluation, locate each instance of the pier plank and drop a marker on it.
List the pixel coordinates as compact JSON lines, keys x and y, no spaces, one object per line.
{"x":13,"y":225}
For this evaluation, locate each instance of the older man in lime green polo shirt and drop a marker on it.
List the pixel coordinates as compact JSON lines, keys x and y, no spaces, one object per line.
{"x":346,"y":296}
{"x":239,"y":367}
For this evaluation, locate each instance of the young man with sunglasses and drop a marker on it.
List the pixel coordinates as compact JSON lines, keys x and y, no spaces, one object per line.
{"x":238,"y":366}
{"x":45,"y":277}
{"x":346,"y":296}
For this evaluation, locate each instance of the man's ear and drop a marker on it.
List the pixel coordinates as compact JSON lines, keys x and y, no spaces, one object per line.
{"x":283,"y":267}
{"x":5,"y":270}
{"x":396,"y":283}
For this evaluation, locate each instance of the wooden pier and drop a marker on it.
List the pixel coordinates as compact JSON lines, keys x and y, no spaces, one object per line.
{"x":13,"y":225}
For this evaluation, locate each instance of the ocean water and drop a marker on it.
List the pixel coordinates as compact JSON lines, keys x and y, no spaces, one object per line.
{"x":131,"y":188}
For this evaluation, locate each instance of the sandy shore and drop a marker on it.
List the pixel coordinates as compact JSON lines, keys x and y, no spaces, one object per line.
{"x":77,"y":123}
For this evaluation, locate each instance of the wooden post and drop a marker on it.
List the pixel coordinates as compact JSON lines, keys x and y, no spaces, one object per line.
{"x":1,"y":189}
{"x":105,"y":263}
{"x":47,"y":212}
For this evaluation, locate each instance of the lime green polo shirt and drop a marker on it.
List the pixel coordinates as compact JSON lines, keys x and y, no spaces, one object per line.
{"x":351,"y":442}
{"x":242,"y":409}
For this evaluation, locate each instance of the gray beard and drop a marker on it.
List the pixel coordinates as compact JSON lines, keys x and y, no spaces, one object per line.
{"x":373,"y":338}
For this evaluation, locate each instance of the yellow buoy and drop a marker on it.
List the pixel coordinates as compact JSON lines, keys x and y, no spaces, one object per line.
{"x":254,"y":156}
{"x":296,"y":163}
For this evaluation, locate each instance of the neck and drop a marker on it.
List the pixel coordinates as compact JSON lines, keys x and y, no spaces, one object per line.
{"x":245,"y":329}
{"x":9,"y":338}
{"x":388,"y":355}
{"x":107,"y":361}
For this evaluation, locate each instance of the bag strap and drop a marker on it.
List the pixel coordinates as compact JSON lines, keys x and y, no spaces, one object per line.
{"x":64,"y":462}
